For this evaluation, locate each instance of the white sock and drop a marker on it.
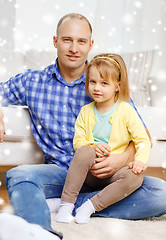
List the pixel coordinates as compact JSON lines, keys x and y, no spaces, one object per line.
{"x":65,"y":213}
{"x":53,"y":204}
{"x":84,"y":212}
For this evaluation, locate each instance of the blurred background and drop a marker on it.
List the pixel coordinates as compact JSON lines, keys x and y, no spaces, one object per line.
{"x":118,"y":26}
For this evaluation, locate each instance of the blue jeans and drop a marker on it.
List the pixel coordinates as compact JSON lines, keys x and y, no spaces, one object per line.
{"x":30,"y":185}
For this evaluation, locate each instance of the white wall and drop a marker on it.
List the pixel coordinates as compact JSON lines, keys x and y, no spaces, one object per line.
{"x":7,"y":23}
{"x":118,"y":26}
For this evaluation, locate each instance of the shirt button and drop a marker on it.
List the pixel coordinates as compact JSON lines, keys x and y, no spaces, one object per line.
{"x":72,"y":153}
{"x":64,"y":106}
{"x":63,"y":126}
{"x":66,"y":89}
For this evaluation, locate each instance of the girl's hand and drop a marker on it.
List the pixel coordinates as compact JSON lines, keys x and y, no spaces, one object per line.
{"x":102,"y":149}
{"x":137,"y":166}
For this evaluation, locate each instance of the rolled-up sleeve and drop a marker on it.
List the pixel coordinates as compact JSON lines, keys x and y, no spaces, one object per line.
{"x":13,"y":92}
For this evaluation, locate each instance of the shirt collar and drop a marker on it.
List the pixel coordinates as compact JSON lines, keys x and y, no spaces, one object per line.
{"x":55,"y":71}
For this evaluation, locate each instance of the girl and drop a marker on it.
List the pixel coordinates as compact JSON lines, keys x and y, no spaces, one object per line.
{"x":104,"y":127}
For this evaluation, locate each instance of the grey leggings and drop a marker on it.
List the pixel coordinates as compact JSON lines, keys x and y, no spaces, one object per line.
{"x":115,"y":188}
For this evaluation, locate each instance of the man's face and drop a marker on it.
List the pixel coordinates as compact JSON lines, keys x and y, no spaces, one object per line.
{"x":73,"y":44}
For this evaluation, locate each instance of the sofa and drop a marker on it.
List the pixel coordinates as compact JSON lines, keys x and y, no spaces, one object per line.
{"x":19,"y":146}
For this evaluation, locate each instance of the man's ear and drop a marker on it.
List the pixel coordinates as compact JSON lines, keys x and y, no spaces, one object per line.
{"x":91,"y":45}
{"x":55,"y":41}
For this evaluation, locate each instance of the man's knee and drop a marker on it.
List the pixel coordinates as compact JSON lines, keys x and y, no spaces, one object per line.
{"x":17,"y":175}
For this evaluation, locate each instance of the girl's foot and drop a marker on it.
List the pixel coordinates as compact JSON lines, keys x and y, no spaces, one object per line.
{"x":53,"y":204}
{"x":84,"y":212}
{"x":65,"y":213}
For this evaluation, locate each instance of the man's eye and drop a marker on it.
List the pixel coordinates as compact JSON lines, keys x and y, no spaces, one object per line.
{"x":82,"y":41}
{"x":66,"y":39}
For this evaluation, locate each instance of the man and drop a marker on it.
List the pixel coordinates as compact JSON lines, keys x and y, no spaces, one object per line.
{"x":54,"y":97}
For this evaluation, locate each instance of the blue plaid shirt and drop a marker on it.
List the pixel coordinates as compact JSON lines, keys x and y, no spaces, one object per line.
{"x":53,"y":106}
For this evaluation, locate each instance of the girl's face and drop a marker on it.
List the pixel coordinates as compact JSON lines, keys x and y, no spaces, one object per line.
{"x":101,"y":90}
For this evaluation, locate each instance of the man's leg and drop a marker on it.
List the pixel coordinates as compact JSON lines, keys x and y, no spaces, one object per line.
{"x":26,"y":185}
{"x":148,"y":201}
{"x":29,"y":186}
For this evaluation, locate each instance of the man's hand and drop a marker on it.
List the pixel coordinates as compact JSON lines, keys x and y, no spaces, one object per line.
{"x":107,"y":166}
{"x":2,"y":127}
{"x":101,"y":149}
{"x":137,"y":166}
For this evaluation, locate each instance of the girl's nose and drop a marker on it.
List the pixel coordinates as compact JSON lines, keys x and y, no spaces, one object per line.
{"x":97,"y":87}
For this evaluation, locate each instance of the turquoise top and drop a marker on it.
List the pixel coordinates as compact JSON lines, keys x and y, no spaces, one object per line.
{"x":102,"y":128}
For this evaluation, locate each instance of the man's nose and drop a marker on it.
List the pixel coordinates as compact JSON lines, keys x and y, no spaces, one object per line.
{"x":73,"y":47}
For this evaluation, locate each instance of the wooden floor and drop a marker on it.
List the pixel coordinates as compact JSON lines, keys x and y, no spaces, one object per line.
{"x":4,"y":200}
{"x":156,"y":172}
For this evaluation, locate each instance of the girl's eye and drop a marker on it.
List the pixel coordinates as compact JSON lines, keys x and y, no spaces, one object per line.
{"x":104,"y":83}
{"x":92,"y":81}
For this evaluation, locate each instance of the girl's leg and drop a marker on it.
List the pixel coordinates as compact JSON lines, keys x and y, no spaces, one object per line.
{"x":123,"y":183}
{"x":79,"y":167}
{"x":147,"y":201}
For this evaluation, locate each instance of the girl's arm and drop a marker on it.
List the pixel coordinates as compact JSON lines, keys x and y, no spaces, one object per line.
{"x":80,"y":137}
{"x":107,"y":166}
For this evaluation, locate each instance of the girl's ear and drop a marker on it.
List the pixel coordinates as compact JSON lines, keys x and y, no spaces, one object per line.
{"x":117,"y":89}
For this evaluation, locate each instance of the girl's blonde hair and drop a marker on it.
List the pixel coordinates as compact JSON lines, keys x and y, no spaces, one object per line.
{"x":111,"y":66}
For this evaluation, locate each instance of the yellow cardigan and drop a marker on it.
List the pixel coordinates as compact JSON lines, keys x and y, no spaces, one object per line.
{"x":126,"y":126}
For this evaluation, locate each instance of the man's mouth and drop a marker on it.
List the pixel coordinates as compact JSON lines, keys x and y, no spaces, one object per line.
{"x":72,"y":57}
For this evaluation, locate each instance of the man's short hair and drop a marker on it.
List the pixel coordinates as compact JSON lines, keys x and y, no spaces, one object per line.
{"x":72,"y":16}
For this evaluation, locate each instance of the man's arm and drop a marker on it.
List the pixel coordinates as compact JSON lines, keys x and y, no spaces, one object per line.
{"x":148,"y":133}
{"x":107,"y":166}
{"x":2,"y":127}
